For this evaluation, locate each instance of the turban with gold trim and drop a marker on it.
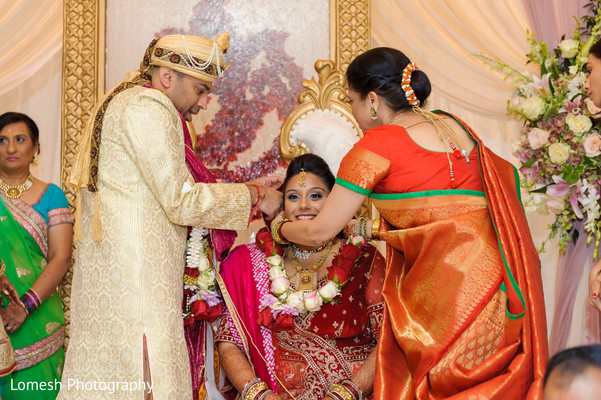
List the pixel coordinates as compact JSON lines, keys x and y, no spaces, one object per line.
{"x":192,"y":55}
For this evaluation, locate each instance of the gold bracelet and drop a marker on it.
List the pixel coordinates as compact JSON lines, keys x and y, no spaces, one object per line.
{"x":2,"y":267}
{"x":343,"y":392}
{"x":276,"y":234}
{"x":255,"y":389}
{"x":375,"y":229}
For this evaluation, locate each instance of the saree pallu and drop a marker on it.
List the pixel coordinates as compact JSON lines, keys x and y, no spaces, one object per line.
{"x":446,"y":331}
{"x":322,"y":348}
{"x":38,"y":342}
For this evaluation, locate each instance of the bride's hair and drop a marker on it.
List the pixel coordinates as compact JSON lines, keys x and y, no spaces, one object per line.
{"x":309,"y":163}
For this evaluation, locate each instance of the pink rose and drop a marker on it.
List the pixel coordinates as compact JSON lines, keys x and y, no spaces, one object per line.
{"x":592,"y":145}
{"x":538,"y":138}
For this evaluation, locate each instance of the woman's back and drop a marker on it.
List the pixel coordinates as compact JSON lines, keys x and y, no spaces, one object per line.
{"x":419,"y":160}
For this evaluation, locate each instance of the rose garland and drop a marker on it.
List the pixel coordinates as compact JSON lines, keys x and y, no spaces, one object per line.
{"x":201,"y":299}
{"x":283,"y":303}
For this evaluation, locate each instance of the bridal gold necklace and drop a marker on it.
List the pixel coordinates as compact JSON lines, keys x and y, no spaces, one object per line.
{"x":14,"y":192}
{"x":308,"y":276}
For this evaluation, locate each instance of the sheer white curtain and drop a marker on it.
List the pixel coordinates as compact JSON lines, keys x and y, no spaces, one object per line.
{"x":441,"y":36}
{"x":31,"y":70}
{"x":551,"y":19}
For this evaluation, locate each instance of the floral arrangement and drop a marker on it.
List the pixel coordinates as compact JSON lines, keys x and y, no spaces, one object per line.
{"x":560,"y":141}
{"x":201,"y":299}
{"x":283,"y":303}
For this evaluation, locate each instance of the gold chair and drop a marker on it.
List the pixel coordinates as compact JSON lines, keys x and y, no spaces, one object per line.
{"x":322,"y":123}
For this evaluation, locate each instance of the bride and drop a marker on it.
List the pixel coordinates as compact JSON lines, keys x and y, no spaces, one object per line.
{"x":301,"y":322}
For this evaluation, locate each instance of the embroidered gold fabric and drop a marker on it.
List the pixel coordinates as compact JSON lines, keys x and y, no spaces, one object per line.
{"x":129,"y":284}
{"x":7,"y":356}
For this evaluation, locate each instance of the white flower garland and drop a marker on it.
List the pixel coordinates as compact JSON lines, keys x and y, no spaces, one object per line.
{"x":282,"y":300}
{"x":203,"y":286}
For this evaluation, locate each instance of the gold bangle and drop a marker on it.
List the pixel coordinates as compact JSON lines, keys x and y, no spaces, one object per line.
{"x":255,"y":389}
{"x":343,"y":392}
{"x":375,"y":229}
{"x":2,"y":267}
{"x":276,"y":233}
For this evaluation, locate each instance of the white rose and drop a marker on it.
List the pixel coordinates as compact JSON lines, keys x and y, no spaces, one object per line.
{"x":538,"y":138}
{"x":592,"y":145}
{"x":535,"y":203}
{"x":515,"y":101}
{"x":329,"y":290}
{"x":206,"y":280}
{"x":357,"y":240}
{"x":280,"y":285}
{"x":274,"y":260}
{"x":313,"y":301}
{"x":559,"y":153}
{"x":568,"y":47}
{"x":276,"y":273}
{"x":296,"y":300}
{"x":203,"y":264}
{"x":532,"y":107}
{"x":555,"y":204}
{"x":578,"y":123}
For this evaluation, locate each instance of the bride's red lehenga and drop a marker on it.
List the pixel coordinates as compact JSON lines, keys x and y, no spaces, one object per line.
{"x":323,"y":347}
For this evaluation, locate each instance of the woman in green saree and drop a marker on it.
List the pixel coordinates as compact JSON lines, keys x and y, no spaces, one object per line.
{"x":35,"y":244}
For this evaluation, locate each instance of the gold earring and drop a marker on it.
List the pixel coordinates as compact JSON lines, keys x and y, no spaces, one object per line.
{"x":35,"y":159}
{"x":302,"y":177}
{"x":373,"y":112}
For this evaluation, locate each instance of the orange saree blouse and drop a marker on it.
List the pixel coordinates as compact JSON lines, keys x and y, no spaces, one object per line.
{"x":464,"y":313}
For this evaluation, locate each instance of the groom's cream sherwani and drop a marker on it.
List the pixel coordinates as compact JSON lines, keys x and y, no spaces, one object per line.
{"x":126,"y":323}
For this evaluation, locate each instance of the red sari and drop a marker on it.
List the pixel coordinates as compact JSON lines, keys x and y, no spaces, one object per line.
{"x":464,"y":302}
{"x":323,"y":347}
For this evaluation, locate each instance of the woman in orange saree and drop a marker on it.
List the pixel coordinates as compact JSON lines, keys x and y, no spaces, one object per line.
{"x":464,"y":314}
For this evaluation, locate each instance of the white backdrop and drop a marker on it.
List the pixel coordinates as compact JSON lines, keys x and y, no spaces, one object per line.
{"x":30,"y":72}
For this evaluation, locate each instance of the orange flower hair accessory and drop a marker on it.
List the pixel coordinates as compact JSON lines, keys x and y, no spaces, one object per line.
{"x":406,"y":85}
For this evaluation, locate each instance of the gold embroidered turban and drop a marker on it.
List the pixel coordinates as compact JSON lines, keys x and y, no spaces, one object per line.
{"x":192,"y":55}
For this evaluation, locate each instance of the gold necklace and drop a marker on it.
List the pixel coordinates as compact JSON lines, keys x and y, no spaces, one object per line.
{"x":308,"y":276}
{"x":397,"y":116}
{"x":14,"y":192}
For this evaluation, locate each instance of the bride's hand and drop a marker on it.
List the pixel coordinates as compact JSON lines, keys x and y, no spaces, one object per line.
{"x":350,"y":228}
